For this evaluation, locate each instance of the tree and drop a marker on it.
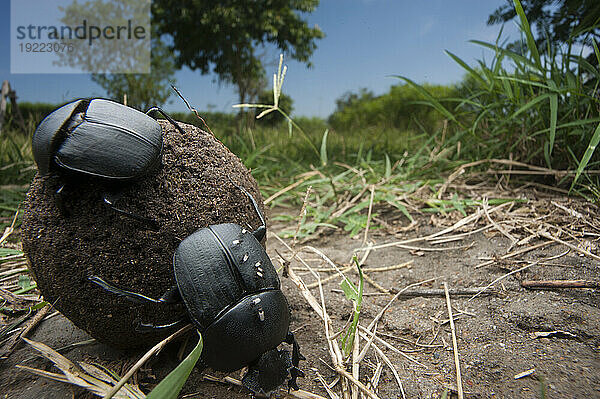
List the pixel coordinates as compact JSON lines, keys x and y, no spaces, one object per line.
{"x":143,"y":90}
{"x":224,"y":37}
{"x":556,"y":20}
{"x":141,"y":68}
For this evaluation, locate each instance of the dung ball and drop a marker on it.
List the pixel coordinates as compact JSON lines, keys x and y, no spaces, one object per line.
{"x":68,"y":241}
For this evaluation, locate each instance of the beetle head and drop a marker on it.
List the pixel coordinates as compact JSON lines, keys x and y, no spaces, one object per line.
{"x":268,"y":373}
{"x":52,"y":131}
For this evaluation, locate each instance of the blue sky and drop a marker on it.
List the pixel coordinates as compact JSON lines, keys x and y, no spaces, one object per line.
{"x":366,"y":42}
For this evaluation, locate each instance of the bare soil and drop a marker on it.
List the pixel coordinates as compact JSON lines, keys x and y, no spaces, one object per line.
{"x":497,"y":333}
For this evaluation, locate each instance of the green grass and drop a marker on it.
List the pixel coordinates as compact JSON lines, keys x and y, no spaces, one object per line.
{"x":538,"y":109}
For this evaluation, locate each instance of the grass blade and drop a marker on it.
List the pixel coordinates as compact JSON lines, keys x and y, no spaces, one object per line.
{"x":553,"y":120}
{"x":431,"y":101}
{"x":465,"y":66}
{"x":525,"y":28}
{"x":356,"y":297}
{"x":170,"y":386}
{"x":587,"y":155}
{"x":324,"y":148}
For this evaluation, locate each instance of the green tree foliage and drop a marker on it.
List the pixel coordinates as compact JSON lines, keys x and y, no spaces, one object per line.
{"x":285,"y":103}
{"x":224,"y":37}
{"x":143,"y":90}
{"x":400,"y":108}
{"x":112,"y":62}
{"x":556,"y":20}
{"x":121,"y":53}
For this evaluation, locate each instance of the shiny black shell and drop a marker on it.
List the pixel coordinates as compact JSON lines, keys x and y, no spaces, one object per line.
{"x":99,"y":138}
{"x":232,"y":293}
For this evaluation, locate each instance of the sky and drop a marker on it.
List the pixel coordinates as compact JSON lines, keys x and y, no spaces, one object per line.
{"x":367,"y":42}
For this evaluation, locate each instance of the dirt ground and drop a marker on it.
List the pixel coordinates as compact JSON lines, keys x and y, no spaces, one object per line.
{"x":499,"y":333}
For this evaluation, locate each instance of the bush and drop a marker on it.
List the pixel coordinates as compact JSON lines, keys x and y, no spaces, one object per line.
{"x":401,"y":108}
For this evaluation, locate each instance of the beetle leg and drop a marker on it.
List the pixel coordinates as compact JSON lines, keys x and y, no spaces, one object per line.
{"x":261,"y":231}
{"x":147,"y":327}
{"x":167,"y":298}
{"x":172,"y":296}
{"x":295,"y":372}
{"x":110,"y":199}
{"x":167,"y":117}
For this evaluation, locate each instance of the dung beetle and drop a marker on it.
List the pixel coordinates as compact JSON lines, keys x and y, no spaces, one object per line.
{"x":102,"y":139}
{"x":232,"y":294}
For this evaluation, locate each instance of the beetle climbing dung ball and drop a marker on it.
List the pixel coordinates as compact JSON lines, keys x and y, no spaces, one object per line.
{"x":232,"y":293}
{"x":190,"y":190}
{"x":97,"y":137}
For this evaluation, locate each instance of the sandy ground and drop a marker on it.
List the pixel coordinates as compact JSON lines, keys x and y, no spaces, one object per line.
{"x":497,"y":335}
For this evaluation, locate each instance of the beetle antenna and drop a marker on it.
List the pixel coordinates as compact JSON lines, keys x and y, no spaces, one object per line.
{"x":109,"y":200}
{"x":261,"y":231}
{"x":192,"y":109}
{"x":167,"y":117}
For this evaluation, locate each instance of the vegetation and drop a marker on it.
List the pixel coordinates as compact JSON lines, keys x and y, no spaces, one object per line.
{"x":136,"y":71}
{"x":556,"y":21}
{"x":142,"y":90}
{"x":401,"y":110}
{"x":225,"y":38}
{"x":537,"y":109}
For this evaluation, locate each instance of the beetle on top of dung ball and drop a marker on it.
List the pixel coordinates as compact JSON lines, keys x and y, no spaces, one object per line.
{"x":101,"y":139}
{"x":222,"y":272}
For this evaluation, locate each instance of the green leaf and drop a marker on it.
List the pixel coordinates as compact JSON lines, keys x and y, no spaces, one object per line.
{"x":517,"y":58}
{"x":587,"y":155}
{"x":529,"y":105}
{"x":553,"y":120}
{"x":388,"y":167}
{"x":525,"y":28}
{"x":170,"y":386}
{"x":348,"y":339}
{"x":465,"y":66}
{"x":349,"y":290}
{"x":24,"y":282}
{"x":9,"y":252}
{"x":402,"y":209}
{"x":20,"y":291}
{"x":324,"y":148}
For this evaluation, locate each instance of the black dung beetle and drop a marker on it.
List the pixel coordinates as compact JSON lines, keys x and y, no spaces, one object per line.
{"x":102,"y":139}
{"x":232,"y":293}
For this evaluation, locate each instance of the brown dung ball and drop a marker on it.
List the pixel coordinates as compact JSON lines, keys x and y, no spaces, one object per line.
{"x":65,"y":247}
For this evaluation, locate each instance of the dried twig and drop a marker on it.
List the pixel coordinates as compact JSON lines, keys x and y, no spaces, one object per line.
{"x":369,"y":215}
{"x":391,"y":347}
{"x":514,"y":253}
{"x":387,"y":361}
{"x":560,"y":284}
{"x":39,"y":316}
{"x":567,"y":244}
{"x":454,"y":345}
{"x":305,"y":177}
